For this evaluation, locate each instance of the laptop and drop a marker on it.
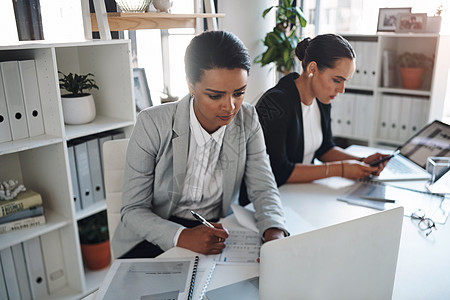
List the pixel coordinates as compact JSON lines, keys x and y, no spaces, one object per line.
{"x":351,"y":260}
{"x":410,"y":163}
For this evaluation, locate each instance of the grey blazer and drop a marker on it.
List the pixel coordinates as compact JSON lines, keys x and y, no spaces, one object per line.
{"x":156,"y":166}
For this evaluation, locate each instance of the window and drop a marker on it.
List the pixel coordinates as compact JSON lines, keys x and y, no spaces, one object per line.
{"x":161,"y":53}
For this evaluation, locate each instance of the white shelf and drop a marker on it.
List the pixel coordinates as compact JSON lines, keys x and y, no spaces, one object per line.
{"x":405,"y":91}
{"x":53,"y":220}
{"x":369,"y":53}
{"x":91,"y":210}
{"x":41,"y":163}
{"x":30,"y":143}
{"x":100,"y":124}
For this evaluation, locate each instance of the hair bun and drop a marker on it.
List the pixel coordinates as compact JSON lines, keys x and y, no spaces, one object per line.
{"x":300,"y":50}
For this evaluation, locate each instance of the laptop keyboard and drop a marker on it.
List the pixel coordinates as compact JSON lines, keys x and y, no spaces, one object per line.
{"x":397,"y":167}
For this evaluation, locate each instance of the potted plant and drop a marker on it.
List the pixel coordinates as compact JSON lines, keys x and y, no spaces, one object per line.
{"x":94,"y":240}
{"x":78,"y":105}
{"x":412,"y":68}
{"x":283,"y":39}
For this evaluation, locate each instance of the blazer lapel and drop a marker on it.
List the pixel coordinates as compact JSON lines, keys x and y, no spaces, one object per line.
{"x":180,"y":142}
{"x":229,"y":161}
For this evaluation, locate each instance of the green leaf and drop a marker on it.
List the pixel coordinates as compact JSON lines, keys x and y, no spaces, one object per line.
{"x":272,"y":39}
{"x":266,"y":11}
{"x":301,"y":16}
{"x":269,"y":56}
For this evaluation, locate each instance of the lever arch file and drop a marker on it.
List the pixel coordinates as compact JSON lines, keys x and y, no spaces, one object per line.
{"x":5,"y":129}
{"x":14,"y":99}
{"x":84,"y":174}
{"x":31,"y":97}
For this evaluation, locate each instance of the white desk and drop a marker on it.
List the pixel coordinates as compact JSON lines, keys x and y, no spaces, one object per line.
{"x":423,"y":270}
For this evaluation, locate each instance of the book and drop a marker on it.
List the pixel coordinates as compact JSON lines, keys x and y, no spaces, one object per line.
{"x":22,"y":224}
{"x":23,"y":214}
{"x":23,"y":201}
{"x":150,"y":279}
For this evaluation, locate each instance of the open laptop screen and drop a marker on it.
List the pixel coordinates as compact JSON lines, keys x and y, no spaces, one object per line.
{"x":432,"y":140}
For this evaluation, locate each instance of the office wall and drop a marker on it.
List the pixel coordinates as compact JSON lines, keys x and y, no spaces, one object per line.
{"x":244,"y":18}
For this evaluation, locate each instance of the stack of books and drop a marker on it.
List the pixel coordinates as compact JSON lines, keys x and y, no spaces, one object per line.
{"x":23,"y":212}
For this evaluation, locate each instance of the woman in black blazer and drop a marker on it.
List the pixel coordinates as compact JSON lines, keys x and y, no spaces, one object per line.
{"x":295,"y":115}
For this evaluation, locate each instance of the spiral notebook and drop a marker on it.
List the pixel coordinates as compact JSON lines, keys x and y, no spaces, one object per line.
{"x":205,"y":270}
{"x":152,"y":279}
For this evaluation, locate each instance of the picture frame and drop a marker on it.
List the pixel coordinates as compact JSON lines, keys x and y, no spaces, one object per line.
{"x":387,"y":18}
{"x":142,"y":94}
{"x":408,"y":22}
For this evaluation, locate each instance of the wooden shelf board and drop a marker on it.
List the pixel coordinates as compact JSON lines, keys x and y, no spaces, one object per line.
{"x":150,"y":20}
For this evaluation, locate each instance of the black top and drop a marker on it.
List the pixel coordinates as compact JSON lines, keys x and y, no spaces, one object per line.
{"x":280,"y":114}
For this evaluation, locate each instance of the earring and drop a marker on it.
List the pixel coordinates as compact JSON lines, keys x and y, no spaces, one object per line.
{"x":310,"y":75}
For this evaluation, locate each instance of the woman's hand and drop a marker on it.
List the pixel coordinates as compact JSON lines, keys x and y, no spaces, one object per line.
{"x":203,"y":239}
{"x":375,"y":157}
{"x":273,"y":234}
{"x":353,"y":169}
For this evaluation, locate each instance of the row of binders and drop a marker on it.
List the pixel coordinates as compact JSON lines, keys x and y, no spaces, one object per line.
{"x":366,"y":63}
{"x":20,"y":102}
{"x":86,"y":168}
{"x":351,"y":115}
{"x":401,"y":116}
{"x":33,"y":269}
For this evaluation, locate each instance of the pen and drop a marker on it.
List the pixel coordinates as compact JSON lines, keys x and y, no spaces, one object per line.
{"x":201,"y":219}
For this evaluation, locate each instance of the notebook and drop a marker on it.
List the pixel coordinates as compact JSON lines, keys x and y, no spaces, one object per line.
{"x":351,"y":260}
{"x":150,"y":279}
{"x":410,"y":163}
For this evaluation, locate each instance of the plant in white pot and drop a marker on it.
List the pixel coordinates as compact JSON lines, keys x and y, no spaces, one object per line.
{"x":78,"y":106}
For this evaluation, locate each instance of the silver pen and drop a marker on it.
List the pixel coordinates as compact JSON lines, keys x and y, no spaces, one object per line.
{"x":201,"y":219}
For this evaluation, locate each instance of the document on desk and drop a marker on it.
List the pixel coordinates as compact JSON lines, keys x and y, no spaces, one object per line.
{"x":149,"y":279}
{"x":383,"y":196}
{"x":242,"y":246}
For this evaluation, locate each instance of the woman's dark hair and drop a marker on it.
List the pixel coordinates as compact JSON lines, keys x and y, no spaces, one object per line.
{"x":215,"y":49}
{"x":324,"y":49}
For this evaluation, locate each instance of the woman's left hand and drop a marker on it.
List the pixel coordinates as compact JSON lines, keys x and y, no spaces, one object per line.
{"x":273,"y":234}
{"x":375,"y":157}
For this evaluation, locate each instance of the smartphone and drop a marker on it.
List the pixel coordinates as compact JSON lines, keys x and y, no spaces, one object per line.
{"x":377,"y":162}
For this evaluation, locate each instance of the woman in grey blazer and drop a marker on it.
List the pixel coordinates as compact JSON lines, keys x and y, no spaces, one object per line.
{"x":193,"y":154}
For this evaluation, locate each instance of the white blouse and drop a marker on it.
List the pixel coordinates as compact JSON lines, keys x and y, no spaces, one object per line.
{"x":312,"y":130}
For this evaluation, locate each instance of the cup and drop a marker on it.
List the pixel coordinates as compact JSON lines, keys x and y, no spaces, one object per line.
{"x":436,"y":166}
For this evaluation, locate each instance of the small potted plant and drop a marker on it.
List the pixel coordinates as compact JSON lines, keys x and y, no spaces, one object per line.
{"x":283,"y":39}
{"x":78,"y":105}
{"x":94,"y":240}
{"x":413,"y":66}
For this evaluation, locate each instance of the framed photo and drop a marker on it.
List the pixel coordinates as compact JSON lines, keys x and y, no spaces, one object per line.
{"x":411,"y":23}
{"x":387,"y":18}
{"x":142,"y":95}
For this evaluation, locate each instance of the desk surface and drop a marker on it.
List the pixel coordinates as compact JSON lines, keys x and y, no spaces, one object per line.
{"x":423,"y":269}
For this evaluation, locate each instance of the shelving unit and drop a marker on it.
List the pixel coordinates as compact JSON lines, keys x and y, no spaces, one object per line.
{"x":433,"y":92}
{"x":41,"y":163}
{"x":151,"y":20}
